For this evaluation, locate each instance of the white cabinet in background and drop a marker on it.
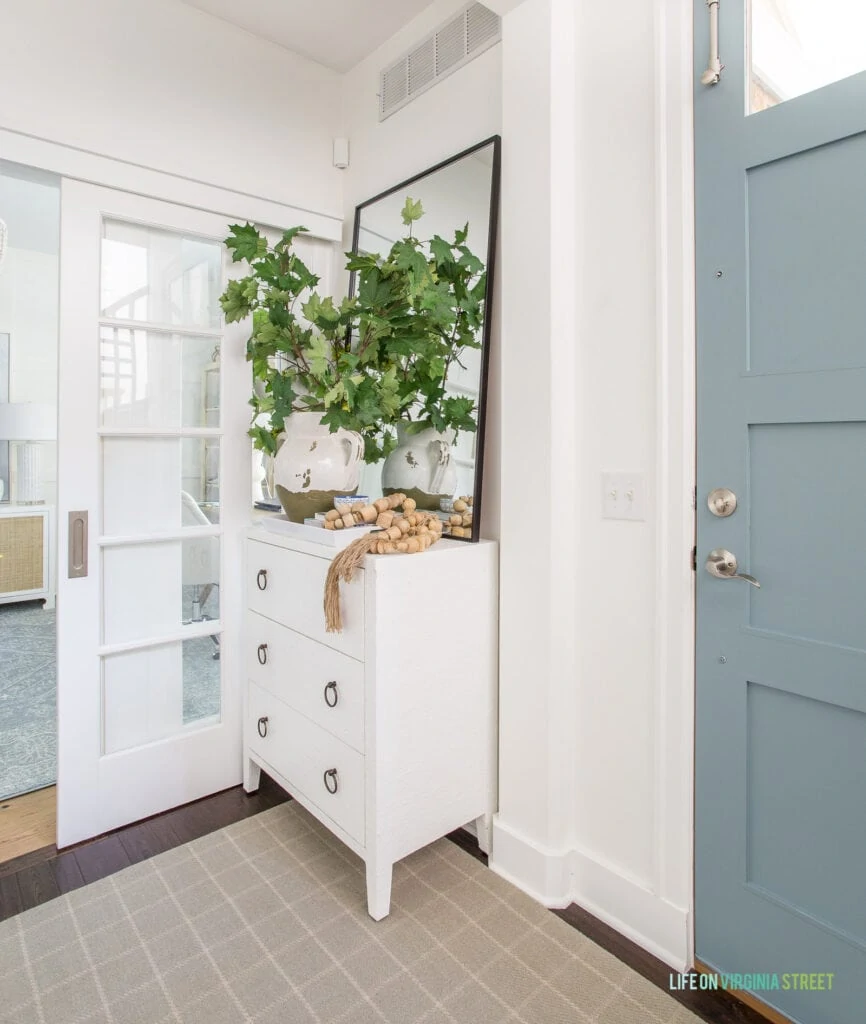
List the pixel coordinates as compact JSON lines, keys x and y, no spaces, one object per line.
{"x":26,"y":572}
{"x":386,"y":732}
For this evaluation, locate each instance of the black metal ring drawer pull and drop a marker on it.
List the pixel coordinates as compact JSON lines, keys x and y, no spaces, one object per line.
{"x":262,"y":654}
{"x":263,"y":726}
{"x":262,"y":579}
{"x":331,"y":695}
{"x":331,"y":783}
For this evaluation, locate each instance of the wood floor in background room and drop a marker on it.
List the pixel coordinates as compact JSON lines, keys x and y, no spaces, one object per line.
{"x":28,"y":823}
{"x":42,"y":874}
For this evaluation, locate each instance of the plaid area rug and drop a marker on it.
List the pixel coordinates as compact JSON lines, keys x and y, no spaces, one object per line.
{"x":264,"y":922}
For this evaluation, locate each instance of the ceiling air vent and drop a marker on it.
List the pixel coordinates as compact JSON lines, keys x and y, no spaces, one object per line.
{"x":451,"y":46}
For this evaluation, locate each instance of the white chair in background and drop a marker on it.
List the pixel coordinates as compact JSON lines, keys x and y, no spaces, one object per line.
{"x":201,"y":567}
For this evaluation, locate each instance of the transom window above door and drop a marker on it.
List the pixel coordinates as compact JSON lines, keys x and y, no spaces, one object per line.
{"x":797,"y":46}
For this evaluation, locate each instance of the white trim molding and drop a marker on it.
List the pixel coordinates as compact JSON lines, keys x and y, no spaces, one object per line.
{"x":673,"y":841}
{"x":596,"y":745}
{"x":557,"y":878}
{"x":95,"y":169}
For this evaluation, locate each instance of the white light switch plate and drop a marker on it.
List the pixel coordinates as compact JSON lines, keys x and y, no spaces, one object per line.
{"x":623,"y":495}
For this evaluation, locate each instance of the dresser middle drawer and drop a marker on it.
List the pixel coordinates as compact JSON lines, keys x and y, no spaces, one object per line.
{"x":321,"y":683}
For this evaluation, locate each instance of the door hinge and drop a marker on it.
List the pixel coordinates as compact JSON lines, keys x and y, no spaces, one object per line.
{"x":694,"y":559}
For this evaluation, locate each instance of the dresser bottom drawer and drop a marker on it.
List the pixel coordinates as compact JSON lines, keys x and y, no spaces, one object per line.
{"x":309,"y":758}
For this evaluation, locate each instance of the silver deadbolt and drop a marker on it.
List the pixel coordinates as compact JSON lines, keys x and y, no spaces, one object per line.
{"x":723,"y":565}
{"x":722,"y":502}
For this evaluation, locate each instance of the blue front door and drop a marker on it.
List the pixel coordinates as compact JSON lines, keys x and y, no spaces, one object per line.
{"x":780,"y":815}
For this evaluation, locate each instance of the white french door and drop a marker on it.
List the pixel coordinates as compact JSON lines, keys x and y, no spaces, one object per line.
{"x":153,"y":451}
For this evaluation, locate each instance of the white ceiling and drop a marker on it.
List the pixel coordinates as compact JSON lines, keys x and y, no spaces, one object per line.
{"x":336,"y":33}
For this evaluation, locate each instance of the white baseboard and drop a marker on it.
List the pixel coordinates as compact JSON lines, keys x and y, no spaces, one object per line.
{"x":557,"y":878}
{"x":541,"y":874}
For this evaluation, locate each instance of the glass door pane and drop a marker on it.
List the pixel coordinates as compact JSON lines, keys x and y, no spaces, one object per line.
{"x":159,"y":277}
{"x":801,"y":45}
{"x":160,"y":401}
{"x":158,"y":379}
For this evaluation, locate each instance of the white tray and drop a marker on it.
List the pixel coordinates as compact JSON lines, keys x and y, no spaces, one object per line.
{"x":316,"y":534}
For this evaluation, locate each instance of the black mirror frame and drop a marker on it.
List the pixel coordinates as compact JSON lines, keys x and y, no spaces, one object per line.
{"x":493,"y":226}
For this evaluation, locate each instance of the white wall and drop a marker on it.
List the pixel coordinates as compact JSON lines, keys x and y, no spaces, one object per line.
{"x":595,"y":688}
{"x":589,"y":373}
{"x":458,"y":112}
{"x":163,"y":85}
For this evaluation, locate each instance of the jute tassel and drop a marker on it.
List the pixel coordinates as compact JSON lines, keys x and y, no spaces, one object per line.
{"x":398,"y":534}
{"x":343,"y":567}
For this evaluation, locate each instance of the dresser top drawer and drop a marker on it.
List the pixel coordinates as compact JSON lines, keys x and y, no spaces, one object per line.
{"x":288,"y":586}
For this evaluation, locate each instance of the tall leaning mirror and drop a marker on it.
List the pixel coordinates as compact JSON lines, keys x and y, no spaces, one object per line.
{"x":439,"y":453}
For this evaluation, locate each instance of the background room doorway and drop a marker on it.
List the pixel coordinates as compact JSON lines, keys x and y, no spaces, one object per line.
{"x":29,"y":312}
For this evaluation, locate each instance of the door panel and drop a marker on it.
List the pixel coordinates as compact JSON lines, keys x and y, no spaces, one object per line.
{"x":797,"y":493}
{"x":806,"y":256}
{"x":780,"y":828}
{"x":789,"y":774}
{"x":149,"y":713}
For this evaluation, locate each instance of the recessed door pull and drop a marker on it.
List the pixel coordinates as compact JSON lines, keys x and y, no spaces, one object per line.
{"x":723,"y":565}
{"x":77,"y":543}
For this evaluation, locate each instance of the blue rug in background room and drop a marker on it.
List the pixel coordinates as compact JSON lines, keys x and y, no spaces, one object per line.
{"x":28,"y":693}
{"x":28,"y":698}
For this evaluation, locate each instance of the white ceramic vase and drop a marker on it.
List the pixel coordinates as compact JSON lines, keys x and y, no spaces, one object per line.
{"x":421,"y":467}
{"x":312,"y":465}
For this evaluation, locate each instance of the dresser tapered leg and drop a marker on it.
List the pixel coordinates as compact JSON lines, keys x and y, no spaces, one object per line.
{"x":484,"y":827}
{"x":378,"y":889}
{"x":252,"y":774}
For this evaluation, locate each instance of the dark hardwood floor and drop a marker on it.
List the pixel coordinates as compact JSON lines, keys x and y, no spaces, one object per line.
{"x":37,"y":877}
{"x":714,"y":1006}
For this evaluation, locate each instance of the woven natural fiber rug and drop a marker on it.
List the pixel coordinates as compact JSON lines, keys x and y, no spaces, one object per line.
{"x":265,"y":921}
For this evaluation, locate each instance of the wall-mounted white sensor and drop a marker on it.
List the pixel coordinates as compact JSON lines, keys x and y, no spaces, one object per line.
{"x":341,"y":153}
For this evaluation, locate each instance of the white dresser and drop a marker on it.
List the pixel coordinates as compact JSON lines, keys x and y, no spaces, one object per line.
{"x":386,"y":732}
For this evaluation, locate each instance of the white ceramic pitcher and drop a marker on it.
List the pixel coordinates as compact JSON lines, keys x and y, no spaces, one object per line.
{"x":421,"y":466}
{"x":312,"y":465}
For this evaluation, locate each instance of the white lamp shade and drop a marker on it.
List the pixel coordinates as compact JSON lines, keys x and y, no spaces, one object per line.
{"x":28,"y":421}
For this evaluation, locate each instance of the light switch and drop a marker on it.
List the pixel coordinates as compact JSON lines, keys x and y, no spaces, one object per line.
{"x":623,"y":495}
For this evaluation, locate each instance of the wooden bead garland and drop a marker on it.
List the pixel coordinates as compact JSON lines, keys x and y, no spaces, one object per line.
{"x":459,"y":523}
{"x":401,"y":532}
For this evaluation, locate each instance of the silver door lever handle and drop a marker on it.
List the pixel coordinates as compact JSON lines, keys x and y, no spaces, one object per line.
{"x":723,"y":565}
